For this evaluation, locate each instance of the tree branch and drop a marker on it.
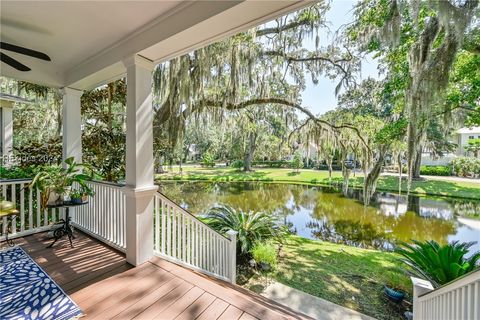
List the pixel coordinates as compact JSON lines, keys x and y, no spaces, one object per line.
{"x":277,"y":30}
{"x":261,"y":101}
{"x":289,"y":58}
{"x":300,"y":127}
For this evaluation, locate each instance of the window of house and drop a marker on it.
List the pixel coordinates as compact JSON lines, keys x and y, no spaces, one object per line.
{"x":471,"y":137}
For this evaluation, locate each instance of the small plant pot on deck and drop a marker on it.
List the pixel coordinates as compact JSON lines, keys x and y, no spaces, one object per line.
{"x":77,"y":200}
{"x":396,"y":295}
{"x":264,"y":266}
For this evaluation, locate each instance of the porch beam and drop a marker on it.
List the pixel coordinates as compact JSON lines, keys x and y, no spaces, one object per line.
{"x":72,"y":125}
{"x":139,"y":189}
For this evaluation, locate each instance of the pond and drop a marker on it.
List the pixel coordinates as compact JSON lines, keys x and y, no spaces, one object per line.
{"x":324,"y":213}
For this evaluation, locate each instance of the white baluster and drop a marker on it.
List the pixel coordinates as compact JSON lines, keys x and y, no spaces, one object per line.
{"x":30,"y":209}
{"x":164,"y":226}
{"x":22,"y":208}
{"x":156,"y":208}
{"x":14,"y":200}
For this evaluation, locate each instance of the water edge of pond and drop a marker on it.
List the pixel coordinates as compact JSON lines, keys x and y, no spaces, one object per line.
{"x":324,"y":213}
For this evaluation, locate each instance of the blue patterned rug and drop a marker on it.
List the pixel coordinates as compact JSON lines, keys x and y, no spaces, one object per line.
{"x":27,"y":292}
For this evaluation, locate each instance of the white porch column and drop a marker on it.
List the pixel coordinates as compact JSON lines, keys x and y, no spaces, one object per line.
{"x":139,"y":187}
{"x":6,"y":133}
{"x":72,"y":125}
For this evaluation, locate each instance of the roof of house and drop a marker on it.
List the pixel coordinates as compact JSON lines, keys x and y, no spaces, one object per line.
{"x":469,"y":130}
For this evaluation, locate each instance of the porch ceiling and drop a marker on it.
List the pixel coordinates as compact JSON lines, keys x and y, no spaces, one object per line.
{"x":88,"y":40}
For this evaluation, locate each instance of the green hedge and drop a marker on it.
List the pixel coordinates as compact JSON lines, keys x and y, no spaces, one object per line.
{"x":436,"y":170}
{"x":433,"y":170}
{"x":272,"y":164}
{"x":335,"y":167}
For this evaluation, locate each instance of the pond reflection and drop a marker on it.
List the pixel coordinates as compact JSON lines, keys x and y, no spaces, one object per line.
{"x":324,"y":213}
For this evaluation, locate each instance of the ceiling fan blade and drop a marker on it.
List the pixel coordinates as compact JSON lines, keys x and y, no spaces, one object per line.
{"x":13,"y":63}
{"x":25,"y":51}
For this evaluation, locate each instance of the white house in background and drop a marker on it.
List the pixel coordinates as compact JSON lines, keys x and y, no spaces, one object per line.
{"x":460,"y":138}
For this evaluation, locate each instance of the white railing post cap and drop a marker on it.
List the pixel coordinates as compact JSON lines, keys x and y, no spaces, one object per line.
{"x":417,"y":282}
{"x":232,"y":233}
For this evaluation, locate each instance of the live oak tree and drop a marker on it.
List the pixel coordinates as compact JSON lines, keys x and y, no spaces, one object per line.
{"x":264,"y":67}
{"x":418,"y":42}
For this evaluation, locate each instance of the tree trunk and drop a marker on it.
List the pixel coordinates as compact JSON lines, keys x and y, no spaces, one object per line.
{"x":346,"y":179}
{"x":247,"y":163}
{"x":370,"y":183}
{"x":400,"y":168}
{"x":330,"y":169}
{"x":417,"y":163}
{"x":160,"y":165}
{"x":345,"y":173}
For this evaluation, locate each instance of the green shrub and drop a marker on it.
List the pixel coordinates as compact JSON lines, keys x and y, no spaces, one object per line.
{"x":237,"y":164}
{"x":466,"y":166}
{"x":271,"y":164}
{"x":252,"y":227}
{"x":438,"y":264}
{"x":265,"y":253}
{"x":297,"y":162}
{"x":436,"y":170}
{"x":18,"y":172}
{"x":207,"y":160}
{"x":473,"y":147}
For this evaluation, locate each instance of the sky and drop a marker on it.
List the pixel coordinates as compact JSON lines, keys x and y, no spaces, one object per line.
{"x":320,"y":98}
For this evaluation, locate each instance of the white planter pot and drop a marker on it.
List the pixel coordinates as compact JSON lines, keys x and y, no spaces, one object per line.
{"x":66,"y":195}
{"x":52,"y":198}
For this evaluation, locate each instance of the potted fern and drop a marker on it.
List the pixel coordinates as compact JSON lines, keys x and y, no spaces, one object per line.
{"x":55,"y":182}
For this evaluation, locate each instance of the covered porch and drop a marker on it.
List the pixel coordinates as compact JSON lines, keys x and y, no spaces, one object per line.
{"x":91,"y":44}
{"x":126,"y":234}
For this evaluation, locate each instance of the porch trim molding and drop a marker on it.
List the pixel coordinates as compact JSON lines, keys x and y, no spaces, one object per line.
{"x":140,"y":192}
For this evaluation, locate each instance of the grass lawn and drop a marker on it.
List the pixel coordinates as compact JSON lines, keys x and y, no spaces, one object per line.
{"x":459,"y":189}
{"x":348,"y":276}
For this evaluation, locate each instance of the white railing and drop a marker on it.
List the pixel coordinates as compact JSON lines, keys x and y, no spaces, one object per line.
{"x":182,"y":238}
{"x":459,"y":299}
{"x":178,"y":235}
{"x":30,"y":218}
{"x":105,"y":214}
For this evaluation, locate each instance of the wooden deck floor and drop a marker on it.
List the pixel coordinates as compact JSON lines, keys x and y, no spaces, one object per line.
{"x":100,"y":281}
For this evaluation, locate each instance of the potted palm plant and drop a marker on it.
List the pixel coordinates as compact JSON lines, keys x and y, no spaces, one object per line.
{"x":55,"y":182}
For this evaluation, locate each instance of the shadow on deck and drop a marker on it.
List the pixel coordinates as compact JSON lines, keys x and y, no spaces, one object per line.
{"x":105,"y":286}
